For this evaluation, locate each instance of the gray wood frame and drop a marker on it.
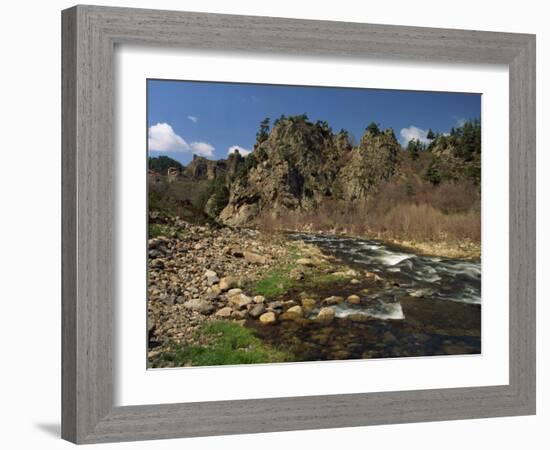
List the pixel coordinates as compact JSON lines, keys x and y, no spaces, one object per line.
{"x":89,"y":37}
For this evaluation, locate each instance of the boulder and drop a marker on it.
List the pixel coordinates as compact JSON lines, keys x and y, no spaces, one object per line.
{"x":292,"y":313}
{"x":225,"y":312}
{"x":333,"y":300}
{"x":210,"y":273}
{"x":199,"y":305}
{"x":353,"y":299}
{"x":240,"y":300}
{"x":326,"y":314}
{"x":256,"y":311}
{"x":268,"y":318}
{"x":227,"y":283}
{"x":212,"y":280}
{"x":234,"y":291}
{"x":277,"y":305}
{"x":308,"y":304}
{"x":254,"y":258}
{"x":259,"y":299}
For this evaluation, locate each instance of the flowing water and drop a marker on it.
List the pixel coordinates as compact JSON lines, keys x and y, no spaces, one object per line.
{"x":421,"y":305}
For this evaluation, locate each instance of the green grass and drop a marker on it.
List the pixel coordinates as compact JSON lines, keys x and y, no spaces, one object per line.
{"x":231,"y":344}
{"x":277,"y":280}
{"x":156,"y":230}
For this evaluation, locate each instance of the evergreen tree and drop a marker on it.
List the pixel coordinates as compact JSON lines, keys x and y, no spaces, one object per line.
{"x":432,"y":174}
{"x":414,"y":148}
{"x":374,"y":129}
{"x":263,"y":132}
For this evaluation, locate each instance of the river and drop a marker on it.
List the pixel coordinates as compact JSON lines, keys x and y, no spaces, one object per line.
{"x":422,"y":306}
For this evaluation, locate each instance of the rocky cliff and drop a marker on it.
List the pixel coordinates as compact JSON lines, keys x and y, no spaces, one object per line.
{"x":301,"y":164}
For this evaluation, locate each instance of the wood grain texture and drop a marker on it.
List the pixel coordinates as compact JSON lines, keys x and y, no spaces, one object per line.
{"x":89,"y":36}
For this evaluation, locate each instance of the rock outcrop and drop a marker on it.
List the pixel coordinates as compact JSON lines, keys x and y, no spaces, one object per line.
{"x":301,"y":164}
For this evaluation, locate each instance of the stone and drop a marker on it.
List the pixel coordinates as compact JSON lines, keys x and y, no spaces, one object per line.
{"x":357,"y":317}
{"x":212,"y":280}
{"x":268,"y":318}
{"x":167,"y":299}
{"x":254,"y":258}
{"x":333,"y":300}
{"x":225,"y":312}
{"x":326,"y":314}
{"x":353,"y":299}
{"x":354,"y":281}
{"x":156,"y":264}
{"x":227,"y":283}
{"x":215,"y":289}
{"x":256,"y":311}
{"x":308,"y":304}
{"x":275,"y":305}
{"x":239,"y":315}
{"x":199,"y":305}
{"x":210,"y":273}
{"x":292,"y":313}
{"x":235,"y":291}
{"x":259,"y":299}
{"x":240,"y":300}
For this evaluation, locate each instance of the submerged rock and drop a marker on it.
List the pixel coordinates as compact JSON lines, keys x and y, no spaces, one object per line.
{"x":292,"y":313}
{"x":333,"y":300}
{"x":326,"y":314}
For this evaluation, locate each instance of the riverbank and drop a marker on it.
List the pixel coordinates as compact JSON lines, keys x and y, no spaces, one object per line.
{"x":200,"y":275}
{"x":287,"y":290}
{"x":464,"y":249}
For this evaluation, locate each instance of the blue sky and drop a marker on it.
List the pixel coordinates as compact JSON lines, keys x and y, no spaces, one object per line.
{"x":210,"y":119}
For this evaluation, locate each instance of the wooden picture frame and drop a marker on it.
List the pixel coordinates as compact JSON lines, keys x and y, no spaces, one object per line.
{"x":90,"y":34}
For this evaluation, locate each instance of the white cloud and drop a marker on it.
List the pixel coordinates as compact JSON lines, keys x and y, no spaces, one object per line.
{"x":408,"y":134}
{"x":202,"y":148}
{"x":163,"y":138}
{"x":193,"y":119}
{"x":243,"y":151}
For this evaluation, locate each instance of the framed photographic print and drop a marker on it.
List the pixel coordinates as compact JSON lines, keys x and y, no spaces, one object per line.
{"x":305,"y":210}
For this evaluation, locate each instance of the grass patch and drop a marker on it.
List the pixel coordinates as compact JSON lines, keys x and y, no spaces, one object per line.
{"x":156,"y":230}
{"x":231,"y":344}
{"x":278,"y":280}
{"x":317,"y":279}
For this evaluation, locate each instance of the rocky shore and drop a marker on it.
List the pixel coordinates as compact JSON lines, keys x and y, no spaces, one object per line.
{"x":200,"y":274}
{"x":284,"y":290}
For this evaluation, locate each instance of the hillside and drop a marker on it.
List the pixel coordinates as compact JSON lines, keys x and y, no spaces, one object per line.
{"x":302,"y":175}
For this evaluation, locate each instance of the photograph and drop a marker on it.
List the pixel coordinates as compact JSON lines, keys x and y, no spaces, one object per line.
{"x":302,"y":223}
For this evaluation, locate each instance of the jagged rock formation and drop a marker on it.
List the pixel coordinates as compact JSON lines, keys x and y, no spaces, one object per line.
{"x":201,"y":168}
{"x":300,"y":164}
